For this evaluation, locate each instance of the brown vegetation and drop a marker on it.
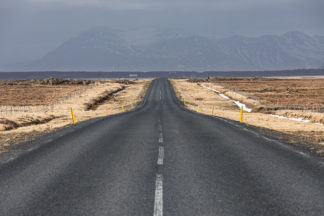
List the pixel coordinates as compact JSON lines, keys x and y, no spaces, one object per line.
{"x":105,"y":97}
{"x":23,"y":122}
{"x":259,"y":94}
{"x":280,"y":93}
{"x":48,"y":81}
{"x":37,"y":106}
{"x":127,"y":82}
{"x":37,"y":92}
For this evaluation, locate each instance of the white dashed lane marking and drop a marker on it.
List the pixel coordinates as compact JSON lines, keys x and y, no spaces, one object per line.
{"x":158,"y":199}
{"x":161,"y":138}
{"x":160,"y":156}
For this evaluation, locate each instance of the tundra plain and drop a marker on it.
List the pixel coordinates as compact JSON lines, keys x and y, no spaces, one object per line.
{"x":31,"y":108}
{"x":287,"y":109}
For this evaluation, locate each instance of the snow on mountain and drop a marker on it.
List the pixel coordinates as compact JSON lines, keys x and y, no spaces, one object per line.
{"x":291,"y":50}
{"x":261,"y":53}
{"x":104,"y":49}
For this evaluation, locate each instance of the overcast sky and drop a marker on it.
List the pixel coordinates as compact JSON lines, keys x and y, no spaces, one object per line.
{"x":30,"y":28}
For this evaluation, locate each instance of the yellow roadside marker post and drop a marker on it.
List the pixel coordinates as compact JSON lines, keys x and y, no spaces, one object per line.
{"x":107,"y":111}
{"x":73,"y":118}
{"x":241,"y":115}
{"x":135,"y":102}
{"x":184,"y":102}
{"x":123,"y":110}
{"x":189,"y":106}
{"x":198,"y":109}
{"x":212,"y":113}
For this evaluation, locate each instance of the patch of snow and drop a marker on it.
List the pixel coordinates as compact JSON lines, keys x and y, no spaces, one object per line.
{"x":237,"y":103}
{"x":295,"y":119}
{"x":224,"y":96}
{"x":241,"y":105}
{"x":278,"y":116}
{"x":299,"y":119}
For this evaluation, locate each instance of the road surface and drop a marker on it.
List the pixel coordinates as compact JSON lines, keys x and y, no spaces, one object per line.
{"x":162,"y":160}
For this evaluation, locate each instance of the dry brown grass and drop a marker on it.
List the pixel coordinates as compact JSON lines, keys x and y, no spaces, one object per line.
{"x":211,"y":103}
{"x":6,"y":124}
{"x":280,"y":93}
{"x":32,"y":93}
{"x":102,"y":99}
{"x":20,"y":126}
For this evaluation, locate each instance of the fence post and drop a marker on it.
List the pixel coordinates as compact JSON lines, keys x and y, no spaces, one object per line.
{"x":241,"y":115}
{"x":73,"y":118}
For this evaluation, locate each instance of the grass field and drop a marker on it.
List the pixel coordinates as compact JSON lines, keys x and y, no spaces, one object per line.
{"x":289,"y":106}
{"x":29,"y":108}
{"x":280,"y":93}
{"x":33,"y":95}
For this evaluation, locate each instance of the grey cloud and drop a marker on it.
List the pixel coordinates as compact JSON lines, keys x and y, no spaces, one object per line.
{"x":30,"y":28}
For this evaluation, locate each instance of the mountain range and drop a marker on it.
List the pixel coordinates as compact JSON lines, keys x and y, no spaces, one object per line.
{"x":108,"y":50}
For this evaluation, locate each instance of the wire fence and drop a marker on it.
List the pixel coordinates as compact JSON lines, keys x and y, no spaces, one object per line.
{"x":279,"y":105}
{"x":318,"y":108}
{"x":43,"y":108}
{"x":52,"y":106}
{"x":312,"y":108}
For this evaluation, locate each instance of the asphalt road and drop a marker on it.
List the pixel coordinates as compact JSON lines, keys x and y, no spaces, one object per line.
{"x":162,"y":160}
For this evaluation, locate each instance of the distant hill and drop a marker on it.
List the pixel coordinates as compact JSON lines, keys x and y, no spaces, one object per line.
{"x":102,"y":49}
{"x":291,"y":50}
